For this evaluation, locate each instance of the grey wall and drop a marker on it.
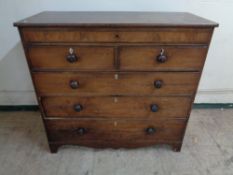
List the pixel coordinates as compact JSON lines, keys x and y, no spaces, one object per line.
{"x":216,"y":84}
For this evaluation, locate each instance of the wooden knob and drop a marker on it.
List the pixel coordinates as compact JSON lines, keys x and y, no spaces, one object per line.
{"x":74,"y":84}
{"x":158,"y":84}
{"x":161,"y":58}
{"x":154,"y":108}
{"x":150,"y":130}
{"x":81,"y":131}
{"x":71,"y":57}
{"x":78,"y":108}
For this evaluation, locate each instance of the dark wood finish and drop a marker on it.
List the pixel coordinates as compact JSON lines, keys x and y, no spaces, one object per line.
{"x":114,"y":130}
{"x":116,"y":19}
{"x":55,"y":57}
{"x":130,"y":58}
{"x":105,"y":83}
{"x":120,"y":107}
{"x":177,"y":146}
{"x":115,"y":79}
{"x":121,"y":35}
{"x":54,"y":147}
{"x":178,"y":58}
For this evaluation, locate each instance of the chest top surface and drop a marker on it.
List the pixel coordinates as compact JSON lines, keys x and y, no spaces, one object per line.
{"x":115,"y":19}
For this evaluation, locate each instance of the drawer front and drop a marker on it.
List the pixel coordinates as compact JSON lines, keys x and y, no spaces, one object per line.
{"x":155,"y":35}
{"x":119,"y":130}
{"x":69,"y":57}
{"x":120,"y":107}
{"x":156,"y":83}
{"x":162,"y":58}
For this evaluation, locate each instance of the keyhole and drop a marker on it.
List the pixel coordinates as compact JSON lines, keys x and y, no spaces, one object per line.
{"x":115,"y":99}
{"x":117,"y":36}
{"x":161,"y":51}
{"x":116,"y":76}
{"x":71,"y":50}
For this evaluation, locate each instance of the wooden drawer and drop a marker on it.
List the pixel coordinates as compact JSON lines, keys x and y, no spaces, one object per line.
{"x":155,"y":35}
{"x":122,"y":83}
{"x":56,"y":57}
{"x":120,"y":107}
{"x":73,"y":131}
{"x":173,"y":58}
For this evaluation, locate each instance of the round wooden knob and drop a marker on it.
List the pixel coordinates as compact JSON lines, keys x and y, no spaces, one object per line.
{"x":158,"y":84}
{"x":150,"y":130}
{"x":161,"y":58}
{"x":154,"y":108}
{"x":78,"y":108}
{"x":74,"y":84}
{"x":71,"y":57}
{"x":81,"y":131}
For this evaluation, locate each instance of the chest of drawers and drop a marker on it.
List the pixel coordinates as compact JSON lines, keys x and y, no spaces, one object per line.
{"x":115,"y":79}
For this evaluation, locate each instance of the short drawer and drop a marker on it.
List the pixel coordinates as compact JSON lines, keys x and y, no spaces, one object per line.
{"x":162,"y":58}
{"x":123,"y":83}
{"x":71,"y":57}
{"x":119,"y":107}
{"x":154,"y":35}
{"x":73,"y":131}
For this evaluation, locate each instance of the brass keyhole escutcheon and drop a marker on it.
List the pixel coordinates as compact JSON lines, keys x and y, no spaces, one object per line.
{"x":116,"y":76}
{"x":115,"y":99}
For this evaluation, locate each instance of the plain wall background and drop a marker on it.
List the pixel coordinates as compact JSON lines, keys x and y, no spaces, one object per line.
{"x":217,"y":81}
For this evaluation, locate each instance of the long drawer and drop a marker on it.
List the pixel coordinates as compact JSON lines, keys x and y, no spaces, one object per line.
{"x":120,"y":107}
{"x":118,"y":83}
{"x":155,"y":35}
{"x":124,"y":131}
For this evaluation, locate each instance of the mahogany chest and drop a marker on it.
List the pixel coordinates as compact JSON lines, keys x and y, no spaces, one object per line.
{"x":115,"y":79}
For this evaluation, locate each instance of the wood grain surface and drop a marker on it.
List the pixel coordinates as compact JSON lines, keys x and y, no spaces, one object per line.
{"x":120,"y":107}
{"x":115,"y":79}
{"x":116,"y":83}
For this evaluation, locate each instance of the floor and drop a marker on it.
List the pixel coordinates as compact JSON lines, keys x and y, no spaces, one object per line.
{"x":207,"y":150}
